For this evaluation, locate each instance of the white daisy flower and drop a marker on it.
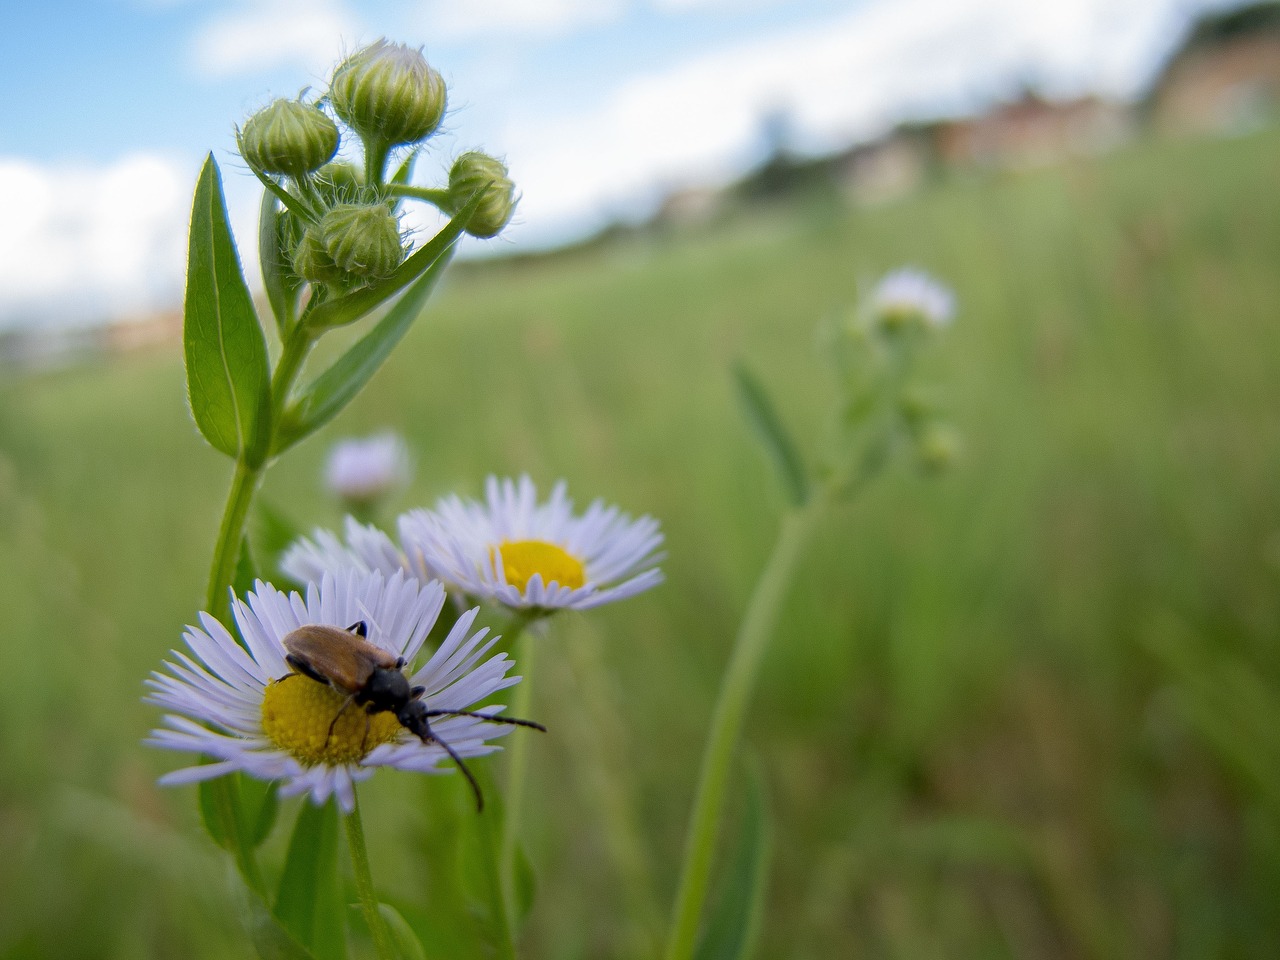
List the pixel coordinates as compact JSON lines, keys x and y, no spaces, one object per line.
{"x":363,"y":469}
{"x":244,"y":707}
{"x":911,"y":294}
{"x":513,"y":550}
{"x":509,"y":549}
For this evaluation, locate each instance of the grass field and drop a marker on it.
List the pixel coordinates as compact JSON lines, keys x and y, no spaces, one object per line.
{"x":1028,"y":709}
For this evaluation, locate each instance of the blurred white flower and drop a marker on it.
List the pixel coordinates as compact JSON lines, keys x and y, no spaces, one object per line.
{"x":245,"y":708}
{"x":908,"y":295}
{"x":361,"y":470}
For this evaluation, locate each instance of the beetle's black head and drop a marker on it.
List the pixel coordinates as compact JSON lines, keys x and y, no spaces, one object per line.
{"x":413,"y":717}
{"x":386,"y":690}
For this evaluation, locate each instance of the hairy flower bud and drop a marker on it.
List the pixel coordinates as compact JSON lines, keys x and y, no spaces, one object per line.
{"x":363,"y":239}
{"x":473,"y":172}
{"x":388,"y":93}
{"x":311,"y":261}
{"x":288,"y":137}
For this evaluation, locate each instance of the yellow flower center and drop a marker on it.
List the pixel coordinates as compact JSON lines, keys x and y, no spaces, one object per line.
{"x":298,"y":714}
{"x":521,"y":559}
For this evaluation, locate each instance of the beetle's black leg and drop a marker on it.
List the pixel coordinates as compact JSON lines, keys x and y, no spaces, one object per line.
{"x":305,"y":669}
{"x":416,"y":692}
{"x":341,"y":710}
{"x":359,"y":628}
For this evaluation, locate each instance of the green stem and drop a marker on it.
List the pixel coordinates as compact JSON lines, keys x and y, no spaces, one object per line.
{"x":735,"y":692}
{"x":292,"y":356}
{"x":226,"y":552}
{"x":434,"y":195}
{"x":517,"y":776}
{"x":364,"y":883}
{"x":375,"y":162}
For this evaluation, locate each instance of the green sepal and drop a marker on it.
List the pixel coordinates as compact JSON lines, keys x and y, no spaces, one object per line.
{"x":309,"y":901}
{"x":354,"y":305}
{"x":404,"y":941}
{"x":274,"y":256}
{"x":322,"y":399}
{"x":763,"y":417}
{"x":228,"y":379}
{"x":734,"y":924}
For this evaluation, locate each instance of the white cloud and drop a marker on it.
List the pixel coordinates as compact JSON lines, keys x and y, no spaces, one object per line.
{"x":458,"y":19}
{"x":261,"y":36}
{"x":836,"y":80}
{"x":85,"y":244}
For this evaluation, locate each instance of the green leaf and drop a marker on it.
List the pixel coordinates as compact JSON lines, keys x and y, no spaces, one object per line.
{"x":325,"y":396}
{"x":262,"y":806}
{"x":764,"y":419}
{"x":246,"y":572}
{"x":274,"y":532}
{"x":345,"y":309}
{"x":734,"y":924}
{"x":309,"y":903}
{"x":281,"y":284}
{"x":219,"y":801}
{"x":228,"y":381}
{"x":403,"y":940}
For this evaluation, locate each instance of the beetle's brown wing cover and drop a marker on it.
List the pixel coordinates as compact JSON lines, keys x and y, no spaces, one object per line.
{"x":340,"y":657}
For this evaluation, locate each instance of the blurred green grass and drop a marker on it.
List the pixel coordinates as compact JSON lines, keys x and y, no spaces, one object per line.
{"x":1025,"y":710}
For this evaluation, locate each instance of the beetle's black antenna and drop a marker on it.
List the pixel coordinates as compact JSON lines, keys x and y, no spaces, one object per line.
{"x":475,"y":787}
{"x":485,"y":716}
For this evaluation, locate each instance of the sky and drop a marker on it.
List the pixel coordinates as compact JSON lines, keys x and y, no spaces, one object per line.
{"x":600,"y":107}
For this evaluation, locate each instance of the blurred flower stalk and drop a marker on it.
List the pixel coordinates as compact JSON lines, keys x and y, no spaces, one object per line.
{"x":879,"y":410}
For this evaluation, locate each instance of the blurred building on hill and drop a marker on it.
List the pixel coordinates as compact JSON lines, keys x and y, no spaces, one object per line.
{"x":1033,"y":131}
{"x":1224,"y":77}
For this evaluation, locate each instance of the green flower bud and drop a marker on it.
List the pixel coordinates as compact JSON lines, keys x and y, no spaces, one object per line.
{"x":388,"y":93}
{"x":311,"y":261}
{"x":363,"y":239}
{"x":288,"y":137}
{"x":473,"y":172}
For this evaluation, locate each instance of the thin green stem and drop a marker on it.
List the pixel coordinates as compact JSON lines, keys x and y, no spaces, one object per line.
{"x":226,"y":552}
{"x":517,"y":775}
{"x":433,"y":195}
{"x":375,"y":162}
{"x":364,"y":883}
{"x":726,"y":723}
{"x":295,"y":351}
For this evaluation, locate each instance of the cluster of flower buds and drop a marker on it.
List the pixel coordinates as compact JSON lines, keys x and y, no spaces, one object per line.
{"x":344,"y":228}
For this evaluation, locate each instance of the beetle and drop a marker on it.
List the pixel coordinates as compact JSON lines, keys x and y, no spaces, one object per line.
{"x":374,"y":678}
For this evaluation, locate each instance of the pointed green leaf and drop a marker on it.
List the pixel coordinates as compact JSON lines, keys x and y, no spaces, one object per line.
{"x":403,"y":940}
{"x":354,"y":305}
{"x":401,"y":177}
{"x":274,"y":248}
{"x":734,"y":924}
{"x":777,"y":442}
{"x":228,"y":381}
{"x":261,"y":807}
{"x":310,"y":903}
{"x":219,"y":801}
{"x":273,"y":533}
{"x":246,"y":572}
{"x":325,"y":396}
